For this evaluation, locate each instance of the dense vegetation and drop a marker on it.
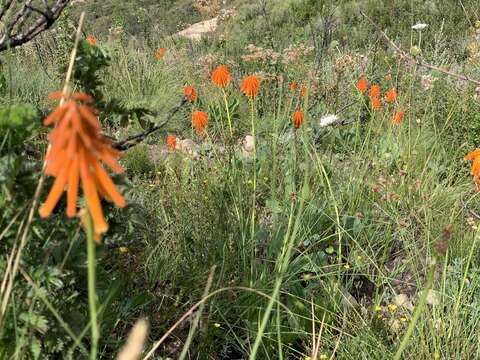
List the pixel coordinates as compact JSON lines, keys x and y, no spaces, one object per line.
{"x":351,"y":235}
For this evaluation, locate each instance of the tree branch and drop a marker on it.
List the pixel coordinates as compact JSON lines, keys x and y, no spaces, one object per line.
{"x":138,"y":138}
{"x":15,"y":33}
{"x":418,"y":61}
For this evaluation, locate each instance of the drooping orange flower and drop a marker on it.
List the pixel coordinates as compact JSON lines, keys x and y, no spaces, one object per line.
{"x":362,"y":85}
{"x":398,"y":117}
{"x":77,"y":151}
{"x":293,"y":86}
{"x":190,"y":93}
{"x":250,"y":86}
{"x":199,"y":121}
{"x":171,"y":141}
{"x":391,"y":95}
{"x":376,"y":103}
{"x":475,"y":169}
{"x":303,"y":90}
{"x":221,"y":76}
{"x":91,"y":39}
{"x":298,"y":117}
{"x":374,"y":91}
{"x":160,"y":53}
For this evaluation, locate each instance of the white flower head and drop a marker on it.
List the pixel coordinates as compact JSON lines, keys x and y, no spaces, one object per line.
{"x":419,"y":26}
{"x":328,"y":120}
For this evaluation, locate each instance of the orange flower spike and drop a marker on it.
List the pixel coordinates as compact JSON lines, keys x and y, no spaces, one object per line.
{"x":374,"y":91}
{"x":376,"y":103}
{"x":362,"y":85}
{"x":190,"y":93}
{"x":250,"y":86}
{"x":298,"y":117}
{"x":391,"y":95}
{"x":76,"y":148}
{"x":91,"y":40}
{"x":293,"y":86}
{"x":475,"y":157}
{"x":171,"y":142}
{"x":199,"y":121}
{"x":221,"y":76}
{"x":160,"y":53}
{"x":398,"y":117}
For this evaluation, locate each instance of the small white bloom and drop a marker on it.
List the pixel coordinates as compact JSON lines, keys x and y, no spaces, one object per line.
{"x":328,"y":120}
{"x":419,"y":26}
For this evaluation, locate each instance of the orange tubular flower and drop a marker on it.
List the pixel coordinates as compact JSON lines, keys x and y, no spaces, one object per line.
{"x":91,"y":39}
{"x":391,"y":95}
{"x":199,"y":121}
{"x":190,"y":93}
{"x":374,"y":91}
{"x":171,"y":142}
{"x":77,"y":150}
{"x":398,"y":117}
{"x":475,"y":170}
{"x":293,"y":86}
{"x":362,"y":85}
{"x":250,"y":86}
{"x":298,"y":118}
{"x":376,"y":103}
{"x":221,"y":76}
{"x":160,"y":53}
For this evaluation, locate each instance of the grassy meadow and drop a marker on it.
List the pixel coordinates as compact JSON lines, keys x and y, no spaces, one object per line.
{"x":311,"y":218}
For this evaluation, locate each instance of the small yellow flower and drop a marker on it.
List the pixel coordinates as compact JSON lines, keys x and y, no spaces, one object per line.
{"x":392,"y":307}
{"x":378,"y":308}
{"x":346,"y":266}
{"x":123,"y":249}
{"x":323,"y":357}
{"x":308,"y":358}
{"x":379,"y":316}
{"x":249,"y":182}
{"x":216,"y":325}
{"x":403,"y":319}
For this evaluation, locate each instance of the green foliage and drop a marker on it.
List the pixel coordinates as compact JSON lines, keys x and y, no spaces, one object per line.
{"x":362,"y":205}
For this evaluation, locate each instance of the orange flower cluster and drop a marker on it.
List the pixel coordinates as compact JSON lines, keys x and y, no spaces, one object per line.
{"x":293,"y":86}
{"x":362,"y":85}
{"x":190,"y":93}
{"x":374,"y":94}
{"x":475,"y":169}
{"x":171,"y":142}
{"x":391,"y":96}
{"x":91,"y":39}
{"x":199,"y":121}
{"x":221,"y":76}
{"x":298,"y":117}
{"x":160,"y":53}
{"x":398,"y":117}
{"x":250,"y":86}
{"x":77,"y":150}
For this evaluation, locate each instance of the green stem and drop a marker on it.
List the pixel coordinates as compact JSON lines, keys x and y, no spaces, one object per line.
{"x":254,"y":196}
{"x":416,"y":315}
{"x":91,"y":287}
{"x":228,"y":113}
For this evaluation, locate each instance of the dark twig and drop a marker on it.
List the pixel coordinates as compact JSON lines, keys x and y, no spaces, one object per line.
{"x":16,"y":30}
{"x":418,"y":61}
{"x":470,"y":211}
{"x":138,"y":138}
